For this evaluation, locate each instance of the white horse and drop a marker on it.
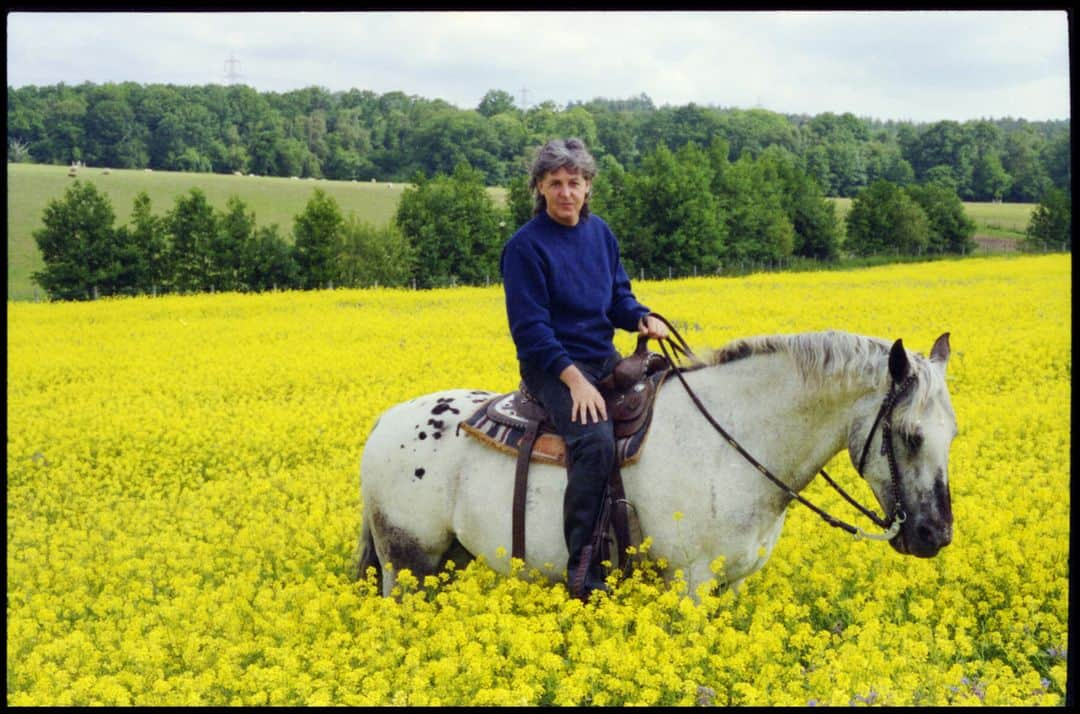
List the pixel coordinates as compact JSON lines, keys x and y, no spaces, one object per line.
{"x":431,"y":492}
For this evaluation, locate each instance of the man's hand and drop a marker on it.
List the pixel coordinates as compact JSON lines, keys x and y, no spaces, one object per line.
{"x":587,"y":400}
{"x":652,"y":328}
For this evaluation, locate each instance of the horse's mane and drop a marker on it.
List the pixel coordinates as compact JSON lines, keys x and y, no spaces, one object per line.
{"x":821,"y":357}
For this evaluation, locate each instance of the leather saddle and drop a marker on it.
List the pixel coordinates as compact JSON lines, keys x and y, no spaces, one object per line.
{"x":629,"y":392}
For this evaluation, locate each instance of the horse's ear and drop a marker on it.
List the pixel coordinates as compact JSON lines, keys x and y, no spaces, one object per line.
{"x":899,"y":367}
{"x":940,"y":351}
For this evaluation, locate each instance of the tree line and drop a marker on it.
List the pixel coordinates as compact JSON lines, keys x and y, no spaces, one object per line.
{"x":362,"y":135}
{"x":691,"y":211}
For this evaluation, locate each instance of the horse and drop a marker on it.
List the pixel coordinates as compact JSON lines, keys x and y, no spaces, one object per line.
{"x":431,"y":493}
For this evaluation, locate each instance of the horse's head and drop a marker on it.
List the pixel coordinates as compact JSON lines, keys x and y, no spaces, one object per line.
{"x":922,"y":425}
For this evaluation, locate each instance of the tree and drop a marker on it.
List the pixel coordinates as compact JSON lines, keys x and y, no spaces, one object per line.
{"x":192,"y":228}
{"x":1021,"y":161}
{"x":950,"y":229}
{"x":665,"y":215}
{"x":1051,"y":222}
{"x":269,"y":262}
{"x":989,"y":180}
{"x":883,"y":219}
{"x":812,"y":215}
{"x":317,"y":240}
{"x":519,"y":200}
{"x":757,"y":222}
{"x":374,"y":255}
{"x":80,"y":248}
{"x":232,"y":244}
{"x":496,"y":101}
{"x":454,"y":226}
{"x":148,"y":233}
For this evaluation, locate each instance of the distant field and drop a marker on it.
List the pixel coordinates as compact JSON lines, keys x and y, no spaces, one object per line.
{"x":278,"y":200}
{"x":992,"y":220}
{"x":274,"y":200}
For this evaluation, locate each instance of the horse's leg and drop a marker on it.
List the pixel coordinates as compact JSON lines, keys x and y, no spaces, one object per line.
{"x":399,"y":548}
{"x":368,"y":556}
{"x":458,"y":554}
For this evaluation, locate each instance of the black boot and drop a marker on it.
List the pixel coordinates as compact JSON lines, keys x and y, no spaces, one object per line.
{"x":581,"y":509}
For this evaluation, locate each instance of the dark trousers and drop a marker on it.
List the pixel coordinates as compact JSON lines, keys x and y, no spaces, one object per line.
{"x":591,"y":457}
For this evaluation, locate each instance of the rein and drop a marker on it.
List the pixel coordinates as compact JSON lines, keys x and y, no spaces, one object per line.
{"x":678,"y":345}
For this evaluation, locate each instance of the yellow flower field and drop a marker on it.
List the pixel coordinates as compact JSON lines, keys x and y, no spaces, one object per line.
{"x":183,"y":508}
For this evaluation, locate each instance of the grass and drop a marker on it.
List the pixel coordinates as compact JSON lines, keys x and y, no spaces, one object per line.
{"x":992,"y":220}
{"x":274,"y":200}
{"x":278,"y":200}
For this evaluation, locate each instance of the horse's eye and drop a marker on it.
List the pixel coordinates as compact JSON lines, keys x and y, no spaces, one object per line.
{"x":912,"y":440}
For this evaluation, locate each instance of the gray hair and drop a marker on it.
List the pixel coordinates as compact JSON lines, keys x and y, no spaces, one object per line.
{"x":557,"y":154}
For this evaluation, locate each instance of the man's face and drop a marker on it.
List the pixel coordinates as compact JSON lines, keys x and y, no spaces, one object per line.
{"x":565,"y":192}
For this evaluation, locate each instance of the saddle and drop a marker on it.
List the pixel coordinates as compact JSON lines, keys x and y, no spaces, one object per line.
{"x":518,"y":423}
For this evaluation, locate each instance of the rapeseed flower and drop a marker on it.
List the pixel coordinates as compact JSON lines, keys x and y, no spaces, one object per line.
{"x":184,"y":506}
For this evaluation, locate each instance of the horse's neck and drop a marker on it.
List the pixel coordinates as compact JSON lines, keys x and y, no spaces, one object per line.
{"x":775,"y":413}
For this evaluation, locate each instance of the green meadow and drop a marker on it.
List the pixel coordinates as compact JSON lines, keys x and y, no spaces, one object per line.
{"x":275,"y":200}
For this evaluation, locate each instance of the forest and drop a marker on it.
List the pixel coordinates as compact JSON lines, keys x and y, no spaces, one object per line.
{"x":362,"y":135}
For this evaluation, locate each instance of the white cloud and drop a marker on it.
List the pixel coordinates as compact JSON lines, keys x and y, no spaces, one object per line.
{"x":917,"y":65}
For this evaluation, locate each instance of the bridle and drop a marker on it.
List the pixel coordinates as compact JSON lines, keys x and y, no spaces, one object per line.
{"x":896,"y":392}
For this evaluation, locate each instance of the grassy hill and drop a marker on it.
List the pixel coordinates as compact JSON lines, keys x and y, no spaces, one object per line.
{"x":276,"y":200}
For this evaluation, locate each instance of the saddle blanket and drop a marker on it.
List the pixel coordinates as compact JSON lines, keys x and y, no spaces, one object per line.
{"x":496,"y":424}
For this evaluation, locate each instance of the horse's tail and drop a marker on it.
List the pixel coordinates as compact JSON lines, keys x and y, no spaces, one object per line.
{"x":368,"y":557}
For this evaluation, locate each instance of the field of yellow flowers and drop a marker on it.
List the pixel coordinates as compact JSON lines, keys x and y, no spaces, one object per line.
{"x":183,"y":507}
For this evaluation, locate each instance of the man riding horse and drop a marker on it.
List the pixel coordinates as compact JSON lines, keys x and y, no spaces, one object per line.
{"x":566,"y":292}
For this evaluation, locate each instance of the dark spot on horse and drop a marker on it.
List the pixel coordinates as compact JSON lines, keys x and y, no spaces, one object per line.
{"x":442,"y":407}
{"x":437,"y":423}
{"x":419,"y":473}
{"x":403,"y":550}
{"x":437,"y":435}
{"x":403,"y":446}
{"x":422,"y":436}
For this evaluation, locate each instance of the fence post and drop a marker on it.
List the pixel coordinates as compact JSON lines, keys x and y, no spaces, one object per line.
{"x":95,"y":292}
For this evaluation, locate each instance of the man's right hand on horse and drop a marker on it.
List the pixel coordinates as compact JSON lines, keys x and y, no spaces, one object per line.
{"x":588,"y":402}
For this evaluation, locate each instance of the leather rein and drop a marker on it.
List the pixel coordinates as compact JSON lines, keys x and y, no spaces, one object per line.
{"x":679,"y":346}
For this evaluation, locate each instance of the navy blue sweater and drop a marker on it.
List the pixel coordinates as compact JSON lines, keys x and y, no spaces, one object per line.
{"x":566,"y":292}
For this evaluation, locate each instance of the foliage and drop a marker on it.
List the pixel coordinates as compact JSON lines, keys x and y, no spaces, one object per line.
{"x":373,"y":256}
{"x":1051,"y":223}
{"x":884,"y":219}
{"x":85,"y":256}
{"x":192,"y":230}
{"x":757,"y":223}
{"x":358,"y":134}
{"x":181,"y":531}
{"x":454,"y":227}
{"x":949,"y":229}
{"x":665,"y":214}
{"x":318,"y":237}
{"x":519,"y":200}
{"x":271,"y":262}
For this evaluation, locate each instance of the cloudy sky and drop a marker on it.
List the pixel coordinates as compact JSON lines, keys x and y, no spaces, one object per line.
{"x":914,"y":65}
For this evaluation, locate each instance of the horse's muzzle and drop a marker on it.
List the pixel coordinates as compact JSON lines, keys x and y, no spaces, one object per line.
{"x":923,"y":539}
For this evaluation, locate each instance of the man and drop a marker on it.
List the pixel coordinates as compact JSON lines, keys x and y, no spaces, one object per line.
{"x":566,"y":292}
